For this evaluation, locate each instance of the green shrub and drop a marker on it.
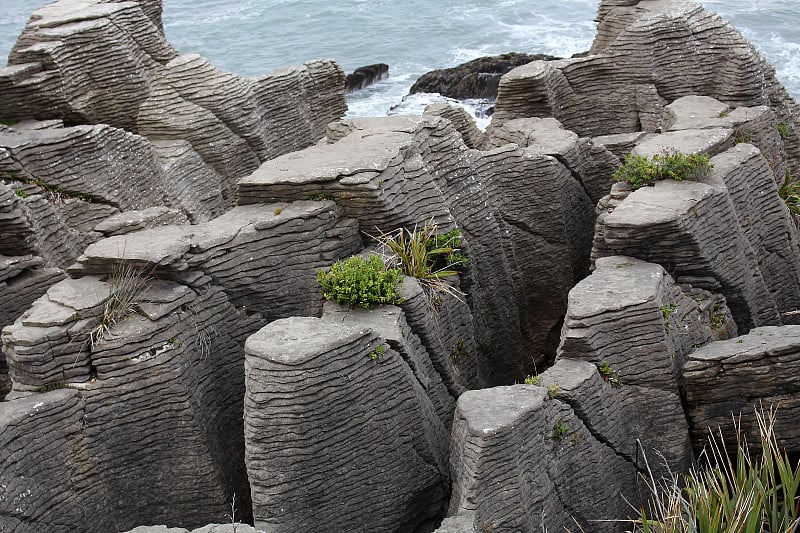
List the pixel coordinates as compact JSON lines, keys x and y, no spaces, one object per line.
{"x":640,"y":171}
{"x":783,"y":130}
{"x":610,"y":375}
{"x":560,"y":429}
{"x":533,"y":380}
{"x":748,"y":494}
{"x":362,"y":282}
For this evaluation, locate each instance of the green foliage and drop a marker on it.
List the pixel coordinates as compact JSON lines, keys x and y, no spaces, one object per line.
{"x":783,"y":130}
{"x":748,"y":494}
{"x":21,"y":193}
{"x":640,"y":171}
{"x":560,"y":429}
{"x":741,"y":136}
{"x":362,"y":282}
{"x":667,"y":310}
{"x":716,"y":318}
{"x":426,"y":255}
{"x":459,"y":350}
{"x":8,"y":121}
{"x":278,"y":211}
{"x":377,"y":353}
{"x":126,"y":285}
{"x":533,"y":380}
{"x":54,"y":193}
{"x":610,"y":375}
{"x":553,"y":390}
{"x":322,"y":196}
{"x":790,"y":194}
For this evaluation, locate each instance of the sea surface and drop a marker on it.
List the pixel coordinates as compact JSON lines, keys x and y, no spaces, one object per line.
{"x":252,"y":37}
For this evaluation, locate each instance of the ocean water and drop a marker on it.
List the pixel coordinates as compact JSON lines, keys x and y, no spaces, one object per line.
{"x":252,"y":37}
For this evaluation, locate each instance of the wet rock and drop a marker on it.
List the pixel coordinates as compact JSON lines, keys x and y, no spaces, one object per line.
{"x":363,"y":77}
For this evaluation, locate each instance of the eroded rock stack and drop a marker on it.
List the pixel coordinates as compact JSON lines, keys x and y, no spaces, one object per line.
{"x":371,"y":437}
{"x":633,"y":71}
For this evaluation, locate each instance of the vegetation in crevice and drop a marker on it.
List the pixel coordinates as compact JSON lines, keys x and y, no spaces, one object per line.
{"x":640,"y":171}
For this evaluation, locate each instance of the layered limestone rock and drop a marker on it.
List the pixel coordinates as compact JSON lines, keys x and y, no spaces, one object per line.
{"x":707,"y":232}
{"x":157,"y":407}
{"x":524,"y":217}
{"x":523,"y":460}
{"x":638,"y":63}
{"x":109,"y":63}
{"x":631,"y":316}
{"x":152,"y":409}
{"x":371,"y":437}
{"x":728,"y":382}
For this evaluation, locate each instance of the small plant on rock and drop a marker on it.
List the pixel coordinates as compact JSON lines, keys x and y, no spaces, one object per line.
{"x":783,"y":130}
{"x":377,"y":353}
{"x":610,"y":375}
{"x":361,"y":282}
{"x":667,"y":310}
{"x":716,"y":318}
{"x":533,"y":380}
{"x":426,"y":255}
{"x":126,"y":284}
{"x":790,"y":194}
{"x":553,"y":390}
{"x":640,"y":171}
{"x":560,"y":429}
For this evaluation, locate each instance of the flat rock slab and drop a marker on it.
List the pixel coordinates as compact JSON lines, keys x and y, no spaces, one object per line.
{"x":733,"y":378}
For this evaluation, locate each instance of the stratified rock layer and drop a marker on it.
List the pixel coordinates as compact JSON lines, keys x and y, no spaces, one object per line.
{"x":729,"y":381}
{"x":370,"y":437}
{"x":524,"y":217}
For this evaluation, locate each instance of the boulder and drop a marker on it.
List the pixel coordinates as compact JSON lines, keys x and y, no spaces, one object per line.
{"x":478,"y":78}
{"x":363,"y":77}
{"x":375,"y":451}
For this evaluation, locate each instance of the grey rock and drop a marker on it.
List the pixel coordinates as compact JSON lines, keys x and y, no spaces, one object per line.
{"x":462,"y":122}
{"x":727,"y":382}
{"x":371,"y":437}
{"x":130,"y":221}
{"x":522,"y":461}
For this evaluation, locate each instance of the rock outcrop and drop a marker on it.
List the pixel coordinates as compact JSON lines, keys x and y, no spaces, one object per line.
{"x":638,"y":64}
{"x":363,"y":77}
{"x":728,"y":382}
{"x":478,"y":78}
{"x":371,"y":438}
{"x":404,"y":171}
{"x":152,"y":405}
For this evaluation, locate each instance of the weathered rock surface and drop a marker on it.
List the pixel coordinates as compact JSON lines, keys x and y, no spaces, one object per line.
{"x":363,"y":77}
{"x":732,"y":379}
{"x":522,"y":461}
{"x":638,"y":63}
{"x":478,"y":78}
{"x":630,"y":315}
{"x":404,"y":171}
{"x":707,"y":233}
{"x":158,"y":407}
{"x":211,"y":528}
{"x":462,"y":122}
{"x":371,"y":438}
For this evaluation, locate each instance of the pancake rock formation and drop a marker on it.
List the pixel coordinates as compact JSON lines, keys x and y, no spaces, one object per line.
{"x":171,"y":359}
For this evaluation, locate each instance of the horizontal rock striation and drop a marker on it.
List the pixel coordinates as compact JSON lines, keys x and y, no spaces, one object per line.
{"x":631,"y":316}
{"x":524,"y":461}
{"x":370,"y":437}
{"x":707,"y":233}
{"x":155,"y":414}
{"x":404,"y":171}
{"x":728,"y":382}
{"x":61,"y":68}
{"x":638,"y":63}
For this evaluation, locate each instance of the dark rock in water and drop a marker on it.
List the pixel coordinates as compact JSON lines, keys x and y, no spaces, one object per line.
{"x":363,"y":77}
{"x":478,"y":78}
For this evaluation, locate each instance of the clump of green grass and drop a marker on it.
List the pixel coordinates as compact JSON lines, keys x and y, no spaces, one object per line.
{"x":752,"y":493}
{"x":377,"y":353}
{"x":426,"y":255}
{"x":610,"y":375}
{"x":361,"y":282}
{"x":533,"y":380}
{"x":640,"y":171}
{"x":783,"y":130}
{"x":560,"y":429}
{"x":126,"y":285}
